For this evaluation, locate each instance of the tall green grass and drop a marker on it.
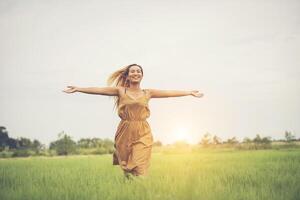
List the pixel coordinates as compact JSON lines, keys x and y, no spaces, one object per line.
{"x":204,"y":174}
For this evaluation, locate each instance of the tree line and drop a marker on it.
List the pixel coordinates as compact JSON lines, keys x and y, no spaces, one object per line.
{"x":65,"y":145}
{"x":258,"y":142}
{"x":209,"y":139}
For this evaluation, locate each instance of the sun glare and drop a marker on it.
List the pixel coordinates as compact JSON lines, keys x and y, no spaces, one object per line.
{"x":181,"y":134}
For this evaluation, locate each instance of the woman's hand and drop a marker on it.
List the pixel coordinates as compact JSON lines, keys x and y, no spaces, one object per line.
{"x":196,"y":93}
{"x":71,"y":89}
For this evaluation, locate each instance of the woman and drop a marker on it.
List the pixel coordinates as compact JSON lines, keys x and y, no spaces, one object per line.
{"x":133,"y":138}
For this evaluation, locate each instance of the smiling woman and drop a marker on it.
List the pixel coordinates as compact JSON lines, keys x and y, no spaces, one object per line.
{"x":133,"y":138}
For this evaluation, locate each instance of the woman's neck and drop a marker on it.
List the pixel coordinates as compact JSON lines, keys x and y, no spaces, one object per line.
{"x":135,"y":86}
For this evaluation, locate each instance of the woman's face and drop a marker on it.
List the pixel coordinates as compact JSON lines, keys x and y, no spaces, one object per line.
{"x":135,"y":74}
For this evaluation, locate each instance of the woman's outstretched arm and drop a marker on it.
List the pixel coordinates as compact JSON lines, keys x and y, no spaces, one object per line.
{"x":173,"y":93}
{"x":109,"y":91}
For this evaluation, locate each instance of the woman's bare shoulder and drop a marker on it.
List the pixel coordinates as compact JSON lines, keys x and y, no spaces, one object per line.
{"x":121,"y":89}
{"x":148,"y":91}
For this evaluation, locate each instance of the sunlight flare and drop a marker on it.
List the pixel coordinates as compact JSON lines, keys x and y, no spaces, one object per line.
{"x":181,"y":134}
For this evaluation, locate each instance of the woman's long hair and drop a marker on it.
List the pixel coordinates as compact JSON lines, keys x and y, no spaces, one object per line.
{"x":119,"y":78}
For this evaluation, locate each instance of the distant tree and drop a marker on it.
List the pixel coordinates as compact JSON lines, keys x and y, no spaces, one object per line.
{"x":257,"y":139}
{"x":96,"y":142}
{"x":101,"y":146}
{"x":289,"y":136}
{"x":157,"y":143}
{"x":37,"y":146}
{"x":206,"y":139}
{"x":232,"y":141}
{"x":3,"y":133}
{"x":64,"y":145}
{"x":247,"y":140}
{"x":19,"y":143}
{"x":260,"y":142}
{"x":266,"y":140}
{"x":84,"y":143}
{"x":216,"y":140}
{"x":3,"y":138}
{"x":24,"y":143}
{"x":12,"y":143}
{"x":108,"y":145}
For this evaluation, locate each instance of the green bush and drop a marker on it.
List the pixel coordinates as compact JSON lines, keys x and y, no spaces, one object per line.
{"x":100,"y":150}
{"x":21,"y":153}
{"x":64,"y":145}
{"x":6,"y":154}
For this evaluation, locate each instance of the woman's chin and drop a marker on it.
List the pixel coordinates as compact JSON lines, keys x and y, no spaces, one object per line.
{"x":135,"y":81}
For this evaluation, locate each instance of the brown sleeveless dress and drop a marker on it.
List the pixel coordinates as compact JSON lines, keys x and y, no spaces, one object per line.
{"x":133,"y":138}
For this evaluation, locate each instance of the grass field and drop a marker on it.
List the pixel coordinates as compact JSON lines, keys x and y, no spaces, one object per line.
{"x":205,"y":174}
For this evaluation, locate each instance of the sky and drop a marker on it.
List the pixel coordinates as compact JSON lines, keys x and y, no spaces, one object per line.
{"x":243,"y":55}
